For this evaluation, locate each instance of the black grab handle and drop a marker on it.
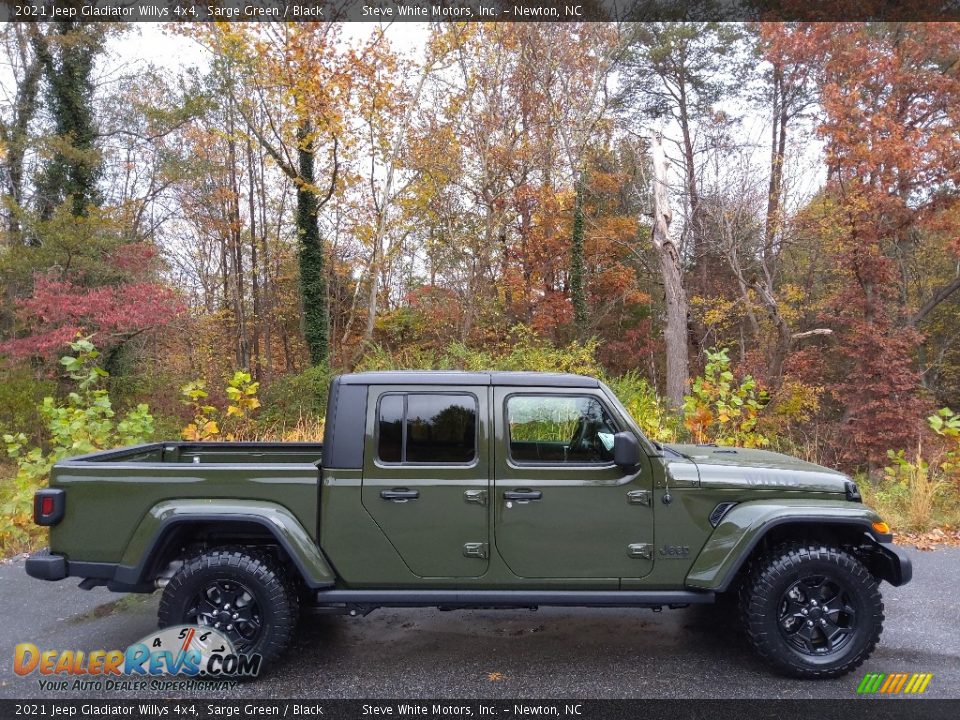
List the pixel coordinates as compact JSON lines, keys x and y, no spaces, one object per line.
{"x":522,"y":495}
{"x":400,"y":494}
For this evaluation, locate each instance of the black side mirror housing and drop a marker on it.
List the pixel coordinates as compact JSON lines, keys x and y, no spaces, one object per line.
{"x":626,"y":450}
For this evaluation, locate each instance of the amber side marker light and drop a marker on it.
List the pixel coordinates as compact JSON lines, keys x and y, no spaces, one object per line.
{"x":881,"y":527}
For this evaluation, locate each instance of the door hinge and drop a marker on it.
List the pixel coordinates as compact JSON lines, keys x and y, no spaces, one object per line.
{"x":639,"y":497}
{"x":644,"y":551}
{"x":475,"y":550}
{"x":477,"y":497}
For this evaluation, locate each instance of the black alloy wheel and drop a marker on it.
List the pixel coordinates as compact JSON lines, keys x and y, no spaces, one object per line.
{"x":230,"y":607}
{"x":817,"y":615}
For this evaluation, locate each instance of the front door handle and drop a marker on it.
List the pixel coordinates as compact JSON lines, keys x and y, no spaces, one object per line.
{"x":399,"y":494}
{"x":522,"y":495}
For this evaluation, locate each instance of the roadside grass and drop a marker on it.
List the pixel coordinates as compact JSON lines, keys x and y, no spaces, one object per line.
{"x":307,"y":428}
{"x":916,"y":503}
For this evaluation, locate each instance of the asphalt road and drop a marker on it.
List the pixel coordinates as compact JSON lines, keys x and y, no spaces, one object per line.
{"x":551,"y":653}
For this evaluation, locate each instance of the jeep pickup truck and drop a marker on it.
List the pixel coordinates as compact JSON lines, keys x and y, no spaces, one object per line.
{"x":476,"y":490}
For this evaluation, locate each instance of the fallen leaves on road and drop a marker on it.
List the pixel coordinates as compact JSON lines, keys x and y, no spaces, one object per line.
{"x":929,"y":540}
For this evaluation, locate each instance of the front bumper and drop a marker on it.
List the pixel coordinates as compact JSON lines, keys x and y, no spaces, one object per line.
{"x":45,"y":566}
{"x":892,"y":564}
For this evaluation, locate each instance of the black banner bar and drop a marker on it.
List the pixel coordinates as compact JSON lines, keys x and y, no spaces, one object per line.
{"x":472,"y":10}
{"x":305,"y":709}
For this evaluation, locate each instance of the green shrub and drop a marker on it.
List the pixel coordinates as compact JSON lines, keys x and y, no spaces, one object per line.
{"x":84,"y":423}
{"x":21,"y":394}
{"x":289,"y":399}
{"x":719,"y":409}
{"x":647,"y":407}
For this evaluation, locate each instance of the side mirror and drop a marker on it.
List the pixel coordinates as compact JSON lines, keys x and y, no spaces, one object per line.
{"x":626,"y":450}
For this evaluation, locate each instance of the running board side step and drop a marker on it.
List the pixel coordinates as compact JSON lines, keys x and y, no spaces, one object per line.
{"x":513,"y":598}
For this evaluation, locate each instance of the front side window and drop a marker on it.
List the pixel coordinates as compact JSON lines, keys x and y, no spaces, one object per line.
{"x":427,"y":428}
{"x":559,"y":429}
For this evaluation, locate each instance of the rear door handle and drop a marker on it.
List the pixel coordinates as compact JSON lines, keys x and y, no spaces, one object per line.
{"x":522,"y":495}
{"x":399,"y":494}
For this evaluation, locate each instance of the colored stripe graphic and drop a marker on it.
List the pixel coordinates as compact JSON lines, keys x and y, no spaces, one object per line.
{"x":894,"y":683}
{"x":866,"y":685}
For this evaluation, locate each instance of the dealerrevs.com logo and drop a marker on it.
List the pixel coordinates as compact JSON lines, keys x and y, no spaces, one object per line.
{"x":894,"y":683}
{"x":184,"y":650}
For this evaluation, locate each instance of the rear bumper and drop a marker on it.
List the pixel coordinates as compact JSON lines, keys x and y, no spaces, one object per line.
{"x":45,"y":566}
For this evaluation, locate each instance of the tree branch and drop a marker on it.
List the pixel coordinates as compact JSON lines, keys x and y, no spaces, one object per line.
{"x":938,"y":297}
{"x":811,"y":333}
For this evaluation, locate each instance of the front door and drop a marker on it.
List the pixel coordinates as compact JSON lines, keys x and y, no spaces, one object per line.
{"x":426,"y":477}
{"x":562,"y":508}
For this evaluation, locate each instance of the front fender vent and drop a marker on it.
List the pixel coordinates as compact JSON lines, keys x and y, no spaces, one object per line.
{"x":719,"y":511}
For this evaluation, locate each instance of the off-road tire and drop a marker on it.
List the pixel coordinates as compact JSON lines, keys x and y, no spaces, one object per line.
{"x":255,"y":571}
{"x":767,"y":610}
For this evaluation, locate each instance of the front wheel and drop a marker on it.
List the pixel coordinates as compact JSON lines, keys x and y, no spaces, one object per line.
{"x":242,"y":592}
{"x":812,"y":611}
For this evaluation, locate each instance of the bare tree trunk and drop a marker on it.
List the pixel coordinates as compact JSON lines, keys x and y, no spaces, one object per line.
{"x":15,"y":136}
{"x":694,"y":226}
{"x":778,"y":146}
{"x":784,"y":334}
{"x":267,"y":299}
{"x":374,"y":291}
{"x":671,"y":271}
{"x":768,"y":260}
{"x":236,"y":247}
{"x":254,"y":267}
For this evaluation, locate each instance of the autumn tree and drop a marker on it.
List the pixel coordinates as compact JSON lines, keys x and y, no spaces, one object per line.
{"x":891,"y":106}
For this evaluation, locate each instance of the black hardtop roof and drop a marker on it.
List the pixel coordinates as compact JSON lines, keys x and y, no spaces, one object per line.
{"x":457,"y":377}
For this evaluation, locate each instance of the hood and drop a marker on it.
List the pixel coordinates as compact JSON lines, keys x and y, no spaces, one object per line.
{"x":734,"y":467}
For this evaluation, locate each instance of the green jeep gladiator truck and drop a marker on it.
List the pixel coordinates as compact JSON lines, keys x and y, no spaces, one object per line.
{"x":476,"y":490}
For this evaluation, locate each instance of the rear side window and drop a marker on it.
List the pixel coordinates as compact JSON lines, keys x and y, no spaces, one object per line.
{"x":427,"y":428}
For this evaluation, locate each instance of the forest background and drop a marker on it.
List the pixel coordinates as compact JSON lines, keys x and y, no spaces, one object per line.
{"x":751,"y":231}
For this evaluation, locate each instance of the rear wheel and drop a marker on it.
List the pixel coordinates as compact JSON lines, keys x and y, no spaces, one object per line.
{"x":812,"y":611}
{"x":242,"y":592}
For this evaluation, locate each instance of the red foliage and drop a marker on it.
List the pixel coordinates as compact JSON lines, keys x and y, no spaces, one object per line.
{"x":137,"y":261}
{"x":890,"y":114}
{"x":59,"y":309}
{"x":634,"y":348}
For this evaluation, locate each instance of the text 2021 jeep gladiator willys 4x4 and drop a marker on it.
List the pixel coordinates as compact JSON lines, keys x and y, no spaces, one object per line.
{"x":476,"y":490}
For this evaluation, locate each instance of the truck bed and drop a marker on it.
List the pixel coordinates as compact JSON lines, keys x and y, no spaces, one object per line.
{"x":142,"y":478}
{"x":232,"y":453}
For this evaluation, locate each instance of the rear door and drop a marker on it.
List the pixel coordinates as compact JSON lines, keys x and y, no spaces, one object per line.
{"x":562,"y":508}
{"x":426,"y":476}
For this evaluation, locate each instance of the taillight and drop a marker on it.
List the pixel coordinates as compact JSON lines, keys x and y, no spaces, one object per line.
{"x":48,"y":506}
